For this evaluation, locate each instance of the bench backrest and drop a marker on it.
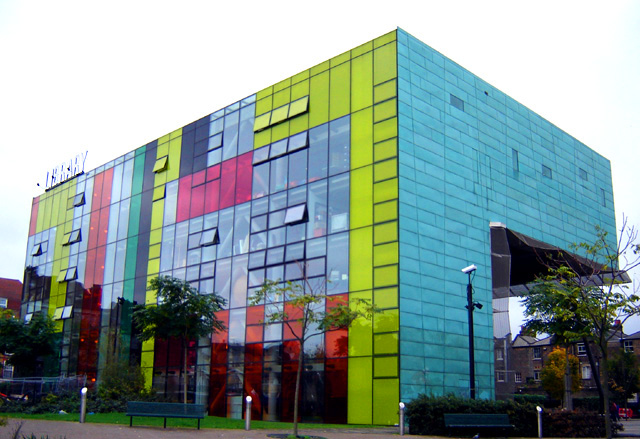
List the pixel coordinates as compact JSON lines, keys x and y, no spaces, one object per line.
{"x":168,"y":408}
{"x":476,"y":419}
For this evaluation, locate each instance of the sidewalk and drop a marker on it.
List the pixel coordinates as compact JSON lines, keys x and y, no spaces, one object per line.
{"x":75,"y":430}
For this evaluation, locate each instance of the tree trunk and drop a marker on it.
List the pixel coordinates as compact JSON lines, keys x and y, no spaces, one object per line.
{"x":297,"y":393}
{"x":595,"y":373}
{"x":184,"y":375}
{"x":605,"y":384}
{"x":568,"y":399}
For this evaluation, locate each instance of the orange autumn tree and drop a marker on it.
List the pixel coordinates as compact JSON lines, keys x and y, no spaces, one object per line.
{"x":553,"y":373}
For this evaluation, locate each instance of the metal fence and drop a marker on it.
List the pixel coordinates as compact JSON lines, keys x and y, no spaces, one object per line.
{"x":36,"y":387}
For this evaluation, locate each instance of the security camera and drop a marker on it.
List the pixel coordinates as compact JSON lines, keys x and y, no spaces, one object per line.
{"x":470,"y":269}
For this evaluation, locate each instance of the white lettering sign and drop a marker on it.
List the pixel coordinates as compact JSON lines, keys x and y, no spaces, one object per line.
{"x":66,"y":170}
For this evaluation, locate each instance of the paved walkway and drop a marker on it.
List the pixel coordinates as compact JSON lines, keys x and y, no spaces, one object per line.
{"x":75,"y":430}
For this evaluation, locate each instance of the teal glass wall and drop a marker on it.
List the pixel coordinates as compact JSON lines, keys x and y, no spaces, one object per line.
{"x":470,"y":155}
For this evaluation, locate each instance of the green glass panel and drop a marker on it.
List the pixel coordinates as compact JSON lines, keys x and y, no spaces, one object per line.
{"x":361,"y":257}
{"x":279,"y":114}
{"x":361,"y":138}
{"x":386,"y":397}
{"x":384,"y":63}
{"x":134,"y":214}
{"x":386,"y":321}
{"x":364,"y":48}
{"x":386,"y":232}
{"x":264,"y":93}
{"x":385,"y":190}
{"x":322,"y":67}
{"x":153,"y":267}
{"x":138,"y":175}
{"x":282,"y":85}
{"x":362,"y":82}
{"x":282,"y":97}
{"x":154,"y":251}
{"x":385,"y":110}
{"x":385,"y":170}
{"x":386,"y":297}
{"x":319,"y":99}
{"x":384,"y":39}
{"x":264,"y":105}
{"x":361,"y":197}
{"x":299,"y":90}
{"x":385,"y":130}
{"x":262,"y":121}
{"x":385,"y":367}
{"x":385,"y":211}
{"x":339,"y":91}
{"x":385,"y":276}
{"x":384,"y":91}
{"x":360,"y":391}
{"x":360,"y":332}
{"x":158,"y":193}
{"x":132,"y":257}
{"x":299,"y":106}
{"x":342,"y":58}
{"x":385,"y":343}
{"x":385,"y":150}
{"x":385,"y":254}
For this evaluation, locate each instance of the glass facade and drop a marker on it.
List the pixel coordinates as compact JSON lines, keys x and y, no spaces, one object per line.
{"x":353,"y":172}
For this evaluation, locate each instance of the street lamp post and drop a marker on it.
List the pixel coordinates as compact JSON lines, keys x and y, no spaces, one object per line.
{"x":471,"y":305}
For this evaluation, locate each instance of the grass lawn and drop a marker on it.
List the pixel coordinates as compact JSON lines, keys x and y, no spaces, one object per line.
{"x":207,"y":422}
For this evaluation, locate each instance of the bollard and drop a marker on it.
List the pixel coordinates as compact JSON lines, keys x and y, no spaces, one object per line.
{"x":539,"y":410}
{"x":83,"y":404}
{"x":247,"y":415}
{"x":402,"y":419}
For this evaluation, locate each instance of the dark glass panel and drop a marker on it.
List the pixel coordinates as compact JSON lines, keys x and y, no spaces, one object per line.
{"x":278,"y":181}
{"x":278,"y":148}
{"x":338,"y":263}
{"x":297,"y":169}
{"x":318,"y":152}
{"x":230,"y":138}
{"x":245,"y":138}
{"x":317,"y":208}
{"x":275,"y":256}
{"x":335,"y":391}
{"x":339,"y":143}
{"x":258,"y":223}
{"x":339,"y":202}
{"x":239,"y":281}
{"x":260,"y":181}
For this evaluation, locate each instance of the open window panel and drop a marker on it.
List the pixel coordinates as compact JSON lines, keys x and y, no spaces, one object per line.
{"x":296,"y":214}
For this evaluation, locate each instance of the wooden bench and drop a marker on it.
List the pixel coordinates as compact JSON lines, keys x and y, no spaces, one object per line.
{"x":165,"y":410}
{"x":485,"y":421}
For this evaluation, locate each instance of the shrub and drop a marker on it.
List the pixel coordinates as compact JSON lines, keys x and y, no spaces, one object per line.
{"x":577,"y":423}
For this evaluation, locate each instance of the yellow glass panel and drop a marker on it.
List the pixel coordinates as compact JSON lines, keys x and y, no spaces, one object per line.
{"x":281,"y":85}
{"x":262,"y":138}
{"x":319,"y":100}
{"x":300,"y":77}
{"x":385,"y":190}
{"x":298,"y":124}
{"x":342,"y":58}
{"x":386,"y":232}
{"x":360,"y":390}
{"x":386,"y":297}
{"x":153,"y":267}
{"x":340,"y":91}
{"x":384,"y":63}
{"x":57,"y":314}
{"x":264,"y":105}
{"x":154,"y":251}
{"x":385,"y":91}
{"x":264,"y":92}
{"x":279,"y":114}
{"x":155,"y":237}
{"x":361,"y":82}
{"x":385,"y":366}
{"x":158,"y":193}
{"x":385,"y":254}
{"x":157,"y":211}
{"x":385,"y":276}
{"x":361,"y":257}
{"x":164,"y":139}
{"x":163,"y":149}
{"x":280,"y":131}
{"x":360,"y":332}
{"x":299,"y":90}
{"x":386,"y":321}
{"x":282,"y":97}
{"x":384,"y":39}
{"x":173,"y":167}
{"x":386,"y":396}
{"x":320,"y":68}
{"x":385,"y":130}
{"x":58,"y":326}
{"x":361,"y":197}
{"x":385,"y":343}
{"x":385,"y":170}
{"x":364,"y":48}
{"x":361,"y":138}
{"x":262,"y":121}
{"x":299,"y":106}
{"x":385,"y":110}
{"x":385,"y":150}
{"x":161,"y":164}
{"x":175,"y":134}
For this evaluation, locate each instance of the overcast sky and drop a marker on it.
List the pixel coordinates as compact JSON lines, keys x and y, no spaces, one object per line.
{"x":108,"y":77}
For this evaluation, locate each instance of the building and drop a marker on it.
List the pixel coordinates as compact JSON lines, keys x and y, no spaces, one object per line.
{"x":386,"y":169}
{"x":10,"y":297}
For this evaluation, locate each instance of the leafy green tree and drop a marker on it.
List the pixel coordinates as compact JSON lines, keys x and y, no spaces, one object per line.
{"x":306,"y":310}
{"x":553,"y":373}
{"x":28,"y":342}
{"x":624,"y":374}
{"x":181,"y":312}
{"x":583,"y":298}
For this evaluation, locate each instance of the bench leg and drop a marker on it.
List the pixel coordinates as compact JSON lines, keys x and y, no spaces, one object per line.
{"x":198,"y":424}
{"x":165,"y":422}
{"x":130,"y":421}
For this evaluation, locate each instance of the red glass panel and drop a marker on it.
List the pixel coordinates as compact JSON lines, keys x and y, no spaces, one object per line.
{"x":97,"y":192}
{"x":253,"y":388}
{"x":228,"y":183}
{"x":212,"y":196}
{"x":293,"y":312}
{"x":335,"y":391}
{"x":219,"y":337}
{"x":289,"y":390}
{"x":174,"y":358}
{"x":336,"y":343}
{"x":90,"y":268}
{"x":106,"y":188}
{"x":338,"y":299}
{"x":160,"y":353}
{"x":291,"y":351}
{"x":213,"y":172}
{"x":198,"y":178}
{"x":184,"y":199}
{"x":93,"y":229}
{"x":292,"y":330}
{"x":217,"y":390}
{"x":253,"y":353}
{"x":254,"y":334}
{"x":245,"y":173}
{"x":103,"y":228}
{"x":197,"y":201}
{"x":255,"y":315}
{"x":98,"y":276}
{"x":34,"y":216}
